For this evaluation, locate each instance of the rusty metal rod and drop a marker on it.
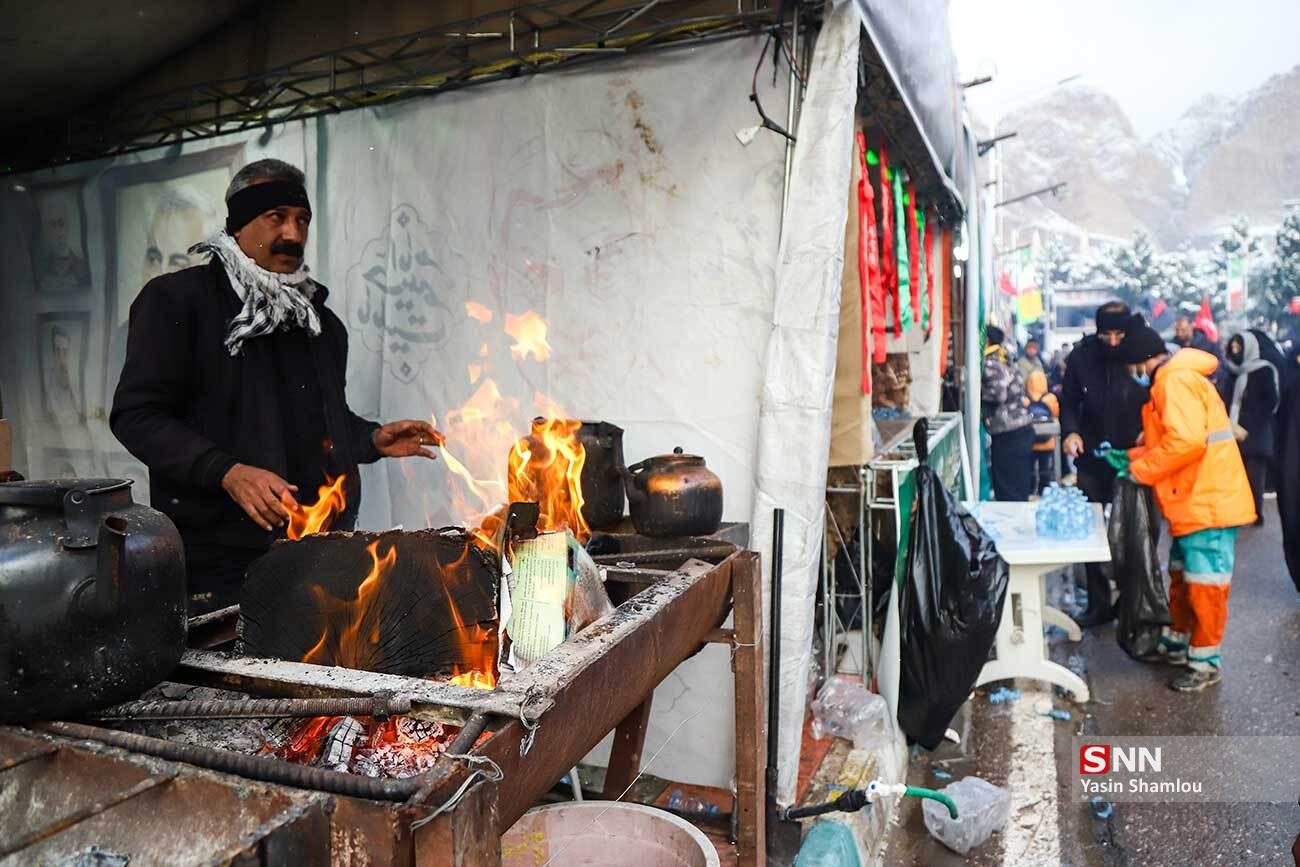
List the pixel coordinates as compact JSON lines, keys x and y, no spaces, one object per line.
{"x":253,"y":767}
{"x":705,"y":552}
{"x":445,"y":767}
{"x":25,"y":757}
{"x":378,"y":706}
{"x":86,"y":812}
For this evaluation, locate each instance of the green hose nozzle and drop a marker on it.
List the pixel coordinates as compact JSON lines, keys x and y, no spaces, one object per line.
{"x":919,"y":792}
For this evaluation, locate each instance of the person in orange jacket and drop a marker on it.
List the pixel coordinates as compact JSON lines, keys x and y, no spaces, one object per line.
{"x":1189,"y":456}
{"x":1043,"y":406}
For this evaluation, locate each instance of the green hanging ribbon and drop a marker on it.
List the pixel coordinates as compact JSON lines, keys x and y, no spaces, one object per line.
{"x":900,"y":248}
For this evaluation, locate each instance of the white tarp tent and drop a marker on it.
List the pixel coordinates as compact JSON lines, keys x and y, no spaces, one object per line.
{"x":614,"y":200}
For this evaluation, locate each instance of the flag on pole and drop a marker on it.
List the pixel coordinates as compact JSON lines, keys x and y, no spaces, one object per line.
{"x":1205,"y":320}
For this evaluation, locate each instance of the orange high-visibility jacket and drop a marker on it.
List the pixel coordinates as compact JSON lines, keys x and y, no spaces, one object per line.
{"x":1188,"y":453}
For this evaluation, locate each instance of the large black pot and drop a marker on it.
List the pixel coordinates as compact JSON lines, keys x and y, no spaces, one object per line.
{"x":674,"y":495}
{"x":602,"y":473}
{"x":92,"y":597}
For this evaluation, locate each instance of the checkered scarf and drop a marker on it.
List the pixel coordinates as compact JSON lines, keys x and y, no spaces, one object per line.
{"x":272,"y":301}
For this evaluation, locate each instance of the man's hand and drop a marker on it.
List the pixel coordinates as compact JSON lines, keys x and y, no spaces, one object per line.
{"x":1073,"y":445}
{"x":401,"y":439}
{"x":262,"y":494}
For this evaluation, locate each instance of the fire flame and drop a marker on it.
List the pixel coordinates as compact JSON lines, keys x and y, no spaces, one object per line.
{"x":477,"y":311}
{"x":529,"y":332}
{"x":475,"y":679}
{"x":352,"y":628}
{"x":491,"y":467}
{"x":546,"y":468}
{"x":317,"y":518}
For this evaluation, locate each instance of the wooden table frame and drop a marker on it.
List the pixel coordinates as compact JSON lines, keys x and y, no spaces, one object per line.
{"x":611,"y":689}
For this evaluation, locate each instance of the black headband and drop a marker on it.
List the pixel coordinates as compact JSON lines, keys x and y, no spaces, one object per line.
{"x":251,"y":202}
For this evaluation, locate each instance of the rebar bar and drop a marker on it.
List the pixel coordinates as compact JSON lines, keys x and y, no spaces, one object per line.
{"x":377,"y":706}
{"x":259,"y":768}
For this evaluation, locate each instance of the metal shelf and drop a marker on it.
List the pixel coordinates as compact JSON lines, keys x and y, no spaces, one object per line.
{"x":877,"y":492}
{"x":526,"y":39}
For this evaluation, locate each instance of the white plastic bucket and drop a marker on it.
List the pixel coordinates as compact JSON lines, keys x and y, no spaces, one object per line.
{"x":602,"y":833}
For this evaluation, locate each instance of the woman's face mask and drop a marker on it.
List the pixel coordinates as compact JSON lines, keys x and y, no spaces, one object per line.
{"x":1142,"y":378}
{"x":1235,"y":352}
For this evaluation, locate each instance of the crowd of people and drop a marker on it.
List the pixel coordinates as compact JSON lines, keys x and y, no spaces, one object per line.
{"x":1200,"y":424}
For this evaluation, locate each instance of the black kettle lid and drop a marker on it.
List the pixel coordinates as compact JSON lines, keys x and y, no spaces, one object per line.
{"x":677,"y":458}
{"x":50,"y":492}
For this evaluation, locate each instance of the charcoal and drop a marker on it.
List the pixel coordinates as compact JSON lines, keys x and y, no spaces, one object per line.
{"x":97,"y":857}
{"x":432,"y":613}
{"x":414,"y":750}
{"x":342,"y":739}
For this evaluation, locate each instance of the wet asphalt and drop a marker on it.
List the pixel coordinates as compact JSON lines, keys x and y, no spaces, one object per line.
{"x":1259,"y":695}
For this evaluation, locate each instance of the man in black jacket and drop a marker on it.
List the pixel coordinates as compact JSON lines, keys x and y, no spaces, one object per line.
{"x":1186,"y":334}
{"x":232,"y":392}
{"x":1100,"y":402}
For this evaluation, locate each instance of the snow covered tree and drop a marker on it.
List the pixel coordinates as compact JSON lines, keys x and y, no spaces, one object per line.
{"x":1283,"y":279}
{"x":1135,"y":269}
{"x":1185,"y":277}
{"x":1055,"y":265}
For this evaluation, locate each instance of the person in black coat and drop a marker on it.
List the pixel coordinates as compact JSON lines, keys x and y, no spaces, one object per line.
{"x":1100,"y":403}
{"x":1288,"y":468}
{"x":232,"y":392}
{"x":1252,"y":392}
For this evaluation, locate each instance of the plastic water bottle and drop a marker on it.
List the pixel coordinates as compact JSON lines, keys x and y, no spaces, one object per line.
{"x":683,"y":803}
{"x":1064,"y":513}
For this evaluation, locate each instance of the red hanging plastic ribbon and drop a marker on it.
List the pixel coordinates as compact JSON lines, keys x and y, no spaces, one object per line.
{"x":945,"y":295}
{"x":913,"y":264}
{"x":875,"y":278}
{"x":929,"y":274}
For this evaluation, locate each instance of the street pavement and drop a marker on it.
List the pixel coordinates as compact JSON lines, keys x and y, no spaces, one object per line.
{"x":1010,"y":744}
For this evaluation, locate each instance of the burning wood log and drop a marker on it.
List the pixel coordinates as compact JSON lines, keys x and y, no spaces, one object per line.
{"x":418,"y":604}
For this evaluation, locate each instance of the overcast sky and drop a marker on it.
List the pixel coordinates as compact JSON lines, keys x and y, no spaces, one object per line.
{"x":1155,"y":56}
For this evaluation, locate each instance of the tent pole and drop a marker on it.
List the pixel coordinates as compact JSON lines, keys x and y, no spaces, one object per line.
{"x":791,"y":97}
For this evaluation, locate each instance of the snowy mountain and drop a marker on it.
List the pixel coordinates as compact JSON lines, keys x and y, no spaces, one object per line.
{"x":1116,"y":182}
{"x":1186,"y":145}
{"x":1223,"y":157}
{"x":1254,"y":166}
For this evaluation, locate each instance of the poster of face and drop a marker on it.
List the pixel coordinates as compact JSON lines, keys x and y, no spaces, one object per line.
{"x":157,"y":223}
{"x":61,"y":339}
{"x":155,"y":212}
{"x":59,"y":240}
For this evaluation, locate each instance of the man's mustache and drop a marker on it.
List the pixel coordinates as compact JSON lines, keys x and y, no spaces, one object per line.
{"x":287,"y":248}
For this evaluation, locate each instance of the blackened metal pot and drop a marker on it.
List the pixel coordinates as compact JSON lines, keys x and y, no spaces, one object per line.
{"x":602,"y":473}
{"x":92,"y":597}
{"x":674,"y":495}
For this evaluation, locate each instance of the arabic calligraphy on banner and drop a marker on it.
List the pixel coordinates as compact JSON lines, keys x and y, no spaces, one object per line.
{"x":407,"y":293}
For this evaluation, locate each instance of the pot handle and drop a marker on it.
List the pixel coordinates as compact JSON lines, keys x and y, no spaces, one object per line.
{"x":99,"y":598}
{"x":631,"y":475}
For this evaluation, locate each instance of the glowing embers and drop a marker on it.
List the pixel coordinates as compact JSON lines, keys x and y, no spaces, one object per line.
{"x":398,"y":747}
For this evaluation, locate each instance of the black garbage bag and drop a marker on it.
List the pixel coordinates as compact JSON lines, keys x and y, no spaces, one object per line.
{"x":949,"y":608}
{"x":1134,"y":536}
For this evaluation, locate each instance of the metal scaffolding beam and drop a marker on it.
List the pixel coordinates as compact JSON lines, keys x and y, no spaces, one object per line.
{"x":526,"y":39}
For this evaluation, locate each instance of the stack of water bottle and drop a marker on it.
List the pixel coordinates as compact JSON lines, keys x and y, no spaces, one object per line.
{"x":1065,"y":513}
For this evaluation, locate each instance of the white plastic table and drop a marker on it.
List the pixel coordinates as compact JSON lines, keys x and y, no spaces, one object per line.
{"x":1021,"y":651}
